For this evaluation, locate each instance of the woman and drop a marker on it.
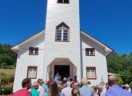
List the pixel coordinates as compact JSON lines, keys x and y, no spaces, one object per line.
{"x":75,"y":92}
{"x":34,"y":88}
{"x":95,"y":89}
{"x":53,"y":89}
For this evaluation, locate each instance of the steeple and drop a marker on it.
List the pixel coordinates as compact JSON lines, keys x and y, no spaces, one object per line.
{"x":62,"y":33}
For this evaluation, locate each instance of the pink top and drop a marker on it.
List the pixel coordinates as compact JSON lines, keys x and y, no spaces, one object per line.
{"x":22,"y":92}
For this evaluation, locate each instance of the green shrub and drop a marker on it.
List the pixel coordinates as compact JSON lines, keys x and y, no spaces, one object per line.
{"x":4,"y":90}
{"x":131,"y":83}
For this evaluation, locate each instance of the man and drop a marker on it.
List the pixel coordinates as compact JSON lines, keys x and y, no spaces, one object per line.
{"x":85,"y":90}
{"x":56,"y":76}
{"x":40,"y":89}
{"x":26,"y":84}
{"x":115,"y":90}
{"x":67,"y":90}
{"x":49,"y":81}
{"x":101,"y":90}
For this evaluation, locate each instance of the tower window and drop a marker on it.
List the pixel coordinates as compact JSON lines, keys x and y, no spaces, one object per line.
{"x":63,"y":1}
{"x":62,"y":33}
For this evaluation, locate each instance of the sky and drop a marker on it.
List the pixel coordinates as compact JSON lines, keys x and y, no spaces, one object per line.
{"x":109,"y":21}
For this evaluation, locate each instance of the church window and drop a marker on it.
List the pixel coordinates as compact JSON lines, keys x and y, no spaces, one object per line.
{"x":62,"y":33}
{"x":91,"y":72}
{"x":32,"y":72}
{"x":90,"y":51}
{"x":63,"y":1}
{"x":33,"y":50}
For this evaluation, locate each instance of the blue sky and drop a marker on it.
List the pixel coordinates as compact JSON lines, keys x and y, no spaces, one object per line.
{"x":109,"y":21}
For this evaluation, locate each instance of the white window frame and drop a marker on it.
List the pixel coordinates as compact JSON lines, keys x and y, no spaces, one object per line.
{"x":32,"y":72}
{"x":89,"y":53}
{"x":91,"y":72}
{"x":62,"y":38}
{"x":33,"y":50}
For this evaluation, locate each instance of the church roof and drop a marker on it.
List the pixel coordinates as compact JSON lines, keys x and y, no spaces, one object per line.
{"x":17,"y":47}
{"x":107,"y":49}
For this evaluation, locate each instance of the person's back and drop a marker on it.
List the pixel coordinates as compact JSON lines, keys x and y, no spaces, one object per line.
{"x":117,"y":91}
{"x":34,"y":92}
{"x":66,"y":91}
{"x":45,"y":87}
{"x":22,"y":92}
{"x":86,"y":91}
{"x":26,"y":84}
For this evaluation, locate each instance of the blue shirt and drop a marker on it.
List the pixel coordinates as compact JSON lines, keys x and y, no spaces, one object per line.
{"x":117,"y":91}
{"x":86,"y":91}
{"x":45,"y":87}
{"x":56,"y":78}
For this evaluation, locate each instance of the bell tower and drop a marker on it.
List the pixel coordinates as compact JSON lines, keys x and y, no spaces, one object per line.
{"x":62,"y":34}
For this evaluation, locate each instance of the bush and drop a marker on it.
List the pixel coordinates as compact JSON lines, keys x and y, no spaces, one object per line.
{"x":131,"y":83}
{"x":4,"y":90}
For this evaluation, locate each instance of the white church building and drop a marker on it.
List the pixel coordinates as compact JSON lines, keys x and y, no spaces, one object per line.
{"x":62,"y":47}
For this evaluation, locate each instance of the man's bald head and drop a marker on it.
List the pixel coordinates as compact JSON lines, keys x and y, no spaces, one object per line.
{"x":112,"y":80}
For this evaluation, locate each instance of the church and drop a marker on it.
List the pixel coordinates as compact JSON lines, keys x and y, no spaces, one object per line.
{"x":61,"y":48}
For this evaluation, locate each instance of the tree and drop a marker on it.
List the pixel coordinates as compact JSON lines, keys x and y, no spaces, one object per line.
{"x":7,"y":56}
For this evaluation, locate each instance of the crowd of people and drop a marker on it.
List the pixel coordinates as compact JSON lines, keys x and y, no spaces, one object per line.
{"x":70,"y":87}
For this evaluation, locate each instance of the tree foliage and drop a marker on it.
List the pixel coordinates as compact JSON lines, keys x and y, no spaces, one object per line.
{"x":7,"y":57}
{"x":121,"y":65}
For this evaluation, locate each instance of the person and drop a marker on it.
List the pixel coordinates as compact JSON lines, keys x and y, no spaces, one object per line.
{"x":40,"y":89}
{"x":127,"y":88}
{"x":53,"y":89}
{"x":67,"y":90}
{"x":95,"y":89}
{"x":75,"y":92}
{"x":26,"y":85}
{"x":75,"y":85}
{"x":56,"y":77}
{"x":34,"y":88}
{"x":45,"y":87}
{"x":59,"y":82}
{"x":101,"y":90}
{"x":85,"y":90}
{"x":49,"y":81}
{"x":115,"y":90}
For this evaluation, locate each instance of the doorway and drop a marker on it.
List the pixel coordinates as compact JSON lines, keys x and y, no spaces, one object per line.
{"x":63,"y":70}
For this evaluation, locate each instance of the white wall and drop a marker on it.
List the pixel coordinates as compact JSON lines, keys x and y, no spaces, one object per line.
{"x":69,"y":14}
{"x":98,"y":61}
{"x":24,"y":60}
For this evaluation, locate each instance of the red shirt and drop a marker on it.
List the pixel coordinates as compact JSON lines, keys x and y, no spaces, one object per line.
{"x":22,"y":92}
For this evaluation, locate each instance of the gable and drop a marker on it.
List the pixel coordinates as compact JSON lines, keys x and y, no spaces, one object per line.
{"x":107,"y":49}
{"x":32,"y":41}
{"x":94,"y":42}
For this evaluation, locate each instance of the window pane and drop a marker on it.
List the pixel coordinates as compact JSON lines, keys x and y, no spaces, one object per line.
{"x":90,"y":51}
{"x":62,"y":32}
{"x":60,"y":1}
{"x":91,"y":72}
{"x":32,"y":72}
{"x":66,"y":1}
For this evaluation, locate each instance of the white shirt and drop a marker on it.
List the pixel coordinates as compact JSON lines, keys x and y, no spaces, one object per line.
{"x":103,"y":93}
{"x":40,"y":91}
{"x":67,"y":91}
